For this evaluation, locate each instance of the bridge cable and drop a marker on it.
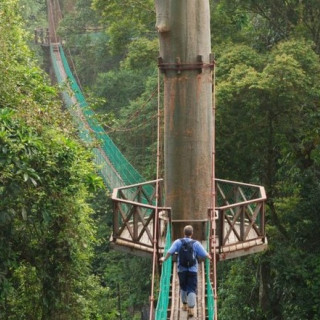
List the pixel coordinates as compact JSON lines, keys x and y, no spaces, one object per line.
{"x":212,"y":238}
{"x":155,"y":227}
{"x":74,"y":69}
{"x":136,"y":113}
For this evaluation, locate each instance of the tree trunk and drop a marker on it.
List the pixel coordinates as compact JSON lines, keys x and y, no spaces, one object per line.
{"x":264,"y":280}
{"x":185,"y":47}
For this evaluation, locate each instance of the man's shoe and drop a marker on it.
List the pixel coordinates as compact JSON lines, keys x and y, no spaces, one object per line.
{"x":191,"y":312}
{"x":184,"y":307}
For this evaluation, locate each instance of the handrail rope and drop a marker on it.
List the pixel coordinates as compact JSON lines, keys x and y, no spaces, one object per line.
{"x":74,"y":69}
{"x":137,"y":112}
{"x":141,"y":125}
{"x":165,"y":280}
{"x":155,"y":234}
{"x":209,"y":289}
{"x":83,"y":119}
{"x":213,"y":195}
{"x":135,"y":115}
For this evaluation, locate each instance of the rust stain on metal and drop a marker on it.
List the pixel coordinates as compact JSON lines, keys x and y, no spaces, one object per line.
{"x":188,"y":132}
{"x":199,"y":85}
{"x":182,"y":88}
{"x":172,"y":103}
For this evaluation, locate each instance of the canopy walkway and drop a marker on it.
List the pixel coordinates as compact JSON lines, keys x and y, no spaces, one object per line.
{"x":141,"y":223}
{"x":239,"y":211}
{"x":114,"y":167}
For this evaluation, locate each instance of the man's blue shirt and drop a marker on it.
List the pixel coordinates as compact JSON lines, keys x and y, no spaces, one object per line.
{"x":198,"y":249}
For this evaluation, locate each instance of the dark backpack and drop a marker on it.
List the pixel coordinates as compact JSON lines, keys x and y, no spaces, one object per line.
{"x":186,"y":254}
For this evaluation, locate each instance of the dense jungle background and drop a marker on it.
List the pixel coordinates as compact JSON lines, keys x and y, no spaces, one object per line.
{"x":55,"y":214}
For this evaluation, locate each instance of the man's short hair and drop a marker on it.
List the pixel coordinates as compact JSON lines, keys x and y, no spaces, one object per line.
{"x":188,"y":230}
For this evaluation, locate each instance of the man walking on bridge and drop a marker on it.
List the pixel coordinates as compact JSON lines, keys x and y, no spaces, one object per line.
{"x":188,"y":252}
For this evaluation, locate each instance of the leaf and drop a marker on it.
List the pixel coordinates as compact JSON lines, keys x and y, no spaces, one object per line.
{"x":33,"y":181}
{"x":24,"y":214}
{"x":25,"y":177}
{"x":46,"y":216}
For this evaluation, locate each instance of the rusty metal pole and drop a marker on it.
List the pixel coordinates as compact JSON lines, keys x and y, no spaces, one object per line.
{"x":185,"y":47}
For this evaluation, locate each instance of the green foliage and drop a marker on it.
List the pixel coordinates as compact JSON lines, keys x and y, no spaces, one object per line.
{"x":275,"y":97}
{"x":294,"y":275}
{"x":34,"y":14}
{"x":271,"y":21}
{"x":46,"y":179}
{"x":126,"y":278}
{"x":142,"y":54}
{"x":229,"y":23}
{"x":44,"y":218}
{"x":118,"y":88}
{"x":126,"y":21}
{"x":267,"y":132}
{"x":239,"y":290}
{"x":85,"y":41}
{"x":271,"y":101}
{"x":129,"y":280}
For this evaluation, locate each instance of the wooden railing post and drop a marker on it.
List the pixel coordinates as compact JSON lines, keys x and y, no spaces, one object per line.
{"x":242,"y":224}
{"x":135,"y":223}
{"x":115,"y":219}
{"x":221,"y":227}
{"x":262,"y":214}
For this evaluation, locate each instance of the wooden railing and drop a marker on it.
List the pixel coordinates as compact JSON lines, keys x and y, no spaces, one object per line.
{"x":135,"y":210}
{"x":241,"y":217}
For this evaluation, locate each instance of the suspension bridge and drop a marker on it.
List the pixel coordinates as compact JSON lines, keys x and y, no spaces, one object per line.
{"x":142,"y":223}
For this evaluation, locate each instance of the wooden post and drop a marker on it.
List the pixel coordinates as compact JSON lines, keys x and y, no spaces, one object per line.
{"x":116,"y":209}
{"x":185,"y":47}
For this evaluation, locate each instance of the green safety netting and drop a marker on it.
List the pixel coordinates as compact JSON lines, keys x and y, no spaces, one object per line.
{"x":163,"y":298}
{"x":70,"y":104}
{"x":210,"y":296}
{"x":114,"y":167}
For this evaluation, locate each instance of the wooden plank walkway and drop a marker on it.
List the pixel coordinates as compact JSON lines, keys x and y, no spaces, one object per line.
{"x":175,"y":309}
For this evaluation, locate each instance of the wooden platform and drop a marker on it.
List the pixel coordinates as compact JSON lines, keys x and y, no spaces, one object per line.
{"x":144,"y":247}
{"x":232,"y":248}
